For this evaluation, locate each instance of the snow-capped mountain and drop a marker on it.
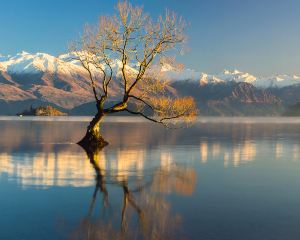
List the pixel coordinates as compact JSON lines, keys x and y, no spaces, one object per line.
{"x":227,"y":76}
{"x":40,"y":77}
{"x":63,"y":82}
{"x":179,"y":74}
{"x":277,"y":81}
{"x":3,"y":58}
{"x":45,"y":78}
{"x":42,"y":63}
{"x":116,"y":64}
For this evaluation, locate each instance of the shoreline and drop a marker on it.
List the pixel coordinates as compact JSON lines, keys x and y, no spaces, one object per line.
{"x":200,"y":119}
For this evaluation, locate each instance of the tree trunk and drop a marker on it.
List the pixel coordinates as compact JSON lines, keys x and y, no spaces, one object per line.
{"x":93,"y":139}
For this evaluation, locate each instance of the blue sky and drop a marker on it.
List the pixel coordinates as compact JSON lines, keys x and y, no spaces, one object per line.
{"x":258,"y":36}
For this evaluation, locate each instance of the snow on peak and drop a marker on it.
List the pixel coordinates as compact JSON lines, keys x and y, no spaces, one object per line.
{"x":167,"y":68}
{"x":23,"y":53}
{"x":230,"y":72}
{"x":235,"y":75}
{"x":277,"y":81}
{"x":226,"y":76}
{"x":209,"y":79}
{"x":38,"y":63}
{"x":4,"y":58}
{"x":295,"y":77}
{"x":177,"y":74}
{"x":41,"y":63}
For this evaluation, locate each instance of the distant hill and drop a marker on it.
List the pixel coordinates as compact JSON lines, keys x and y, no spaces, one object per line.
{"x":85,"y":109}
{"x":41,"y":79}
{"x":231,"y":99}
{"x":12,"y":108}
{"x":289,"y":95}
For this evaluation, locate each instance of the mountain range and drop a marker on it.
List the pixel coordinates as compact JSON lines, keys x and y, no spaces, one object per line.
{"x":41,"y":79}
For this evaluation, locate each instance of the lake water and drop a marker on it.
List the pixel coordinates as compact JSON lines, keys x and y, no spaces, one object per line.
{"x":223,"y":178}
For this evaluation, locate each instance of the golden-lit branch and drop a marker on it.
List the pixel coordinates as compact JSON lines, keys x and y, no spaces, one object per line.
{"x":170,"y":111}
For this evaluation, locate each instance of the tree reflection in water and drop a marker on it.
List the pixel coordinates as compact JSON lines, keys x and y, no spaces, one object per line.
{"x":144,"y":213}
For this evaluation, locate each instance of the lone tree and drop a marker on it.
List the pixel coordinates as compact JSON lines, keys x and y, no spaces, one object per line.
{"x":129,"y":52}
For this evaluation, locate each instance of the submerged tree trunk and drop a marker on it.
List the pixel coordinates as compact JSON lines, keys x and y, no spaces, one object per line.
{"x":93,"y":139}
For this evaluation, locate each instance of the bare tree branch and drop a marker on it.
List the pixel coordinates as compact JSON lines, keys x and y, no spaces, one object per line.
{"x":124,"y":56}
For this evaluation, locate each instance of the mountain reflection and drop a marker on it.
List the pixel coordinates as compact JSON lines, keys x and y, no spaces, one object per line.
{"x":66,"y":168}
{"x":41,"y":153}
{"x":238,"y":154}
{"x":47,"y":169}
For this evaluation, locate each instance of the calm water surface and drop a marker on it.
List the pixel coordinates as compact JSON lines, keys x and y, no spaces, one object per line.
{"x":220,"y":179}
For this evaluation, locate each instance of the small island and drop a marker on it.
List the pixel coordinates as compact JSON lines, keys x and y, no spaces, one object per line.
{"x":42,"y":111}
